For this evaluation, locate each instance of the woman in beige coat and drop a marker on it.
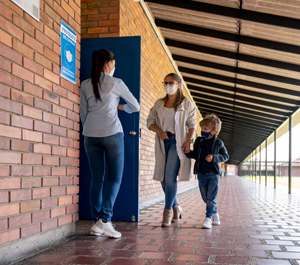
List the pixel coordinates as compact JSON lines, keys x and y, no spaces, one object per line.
{"x":173,"y":118}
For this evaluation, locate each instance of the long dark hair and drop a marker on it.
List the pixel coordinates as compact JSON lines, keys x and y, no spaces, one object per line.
{"x":180,"y":97}
{"x":99,"y":59}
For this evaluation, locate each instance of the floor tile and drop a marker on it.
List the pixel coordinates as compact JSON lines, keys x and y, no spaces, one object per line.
{"x":272,"y":262}
{"x":50,"y":258}
{"x":127,"y":262}
{"x":118,"y":253}
{"x":87,"y":260}
{"x":192,"y":257}
{"x":231,"y":260}
{"x":155,"y":255}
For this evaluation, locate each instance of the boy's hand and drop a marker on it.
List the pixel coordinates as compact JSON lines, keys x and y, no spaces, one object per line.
{"x":186,"y":146}
{"x":209,"y":158}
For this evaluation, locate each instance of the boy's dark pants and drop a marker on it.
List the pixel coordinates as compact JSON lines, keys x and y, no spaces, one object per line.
{"x":209,"y":186}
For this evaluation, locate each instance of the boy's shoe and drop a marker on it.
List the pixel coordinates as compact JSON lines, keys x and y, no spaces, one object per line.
{"x":104,"y":229}
{"x":216,"y":219}
{"x":207,"y":223}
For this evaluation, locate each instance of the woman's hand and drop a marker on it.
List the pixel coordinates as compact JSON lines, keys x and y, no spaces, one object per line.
{"x":120,"y":107}
{"x":186,"y":146}
{"x":162,"y":134}
{"x":209,"y":158}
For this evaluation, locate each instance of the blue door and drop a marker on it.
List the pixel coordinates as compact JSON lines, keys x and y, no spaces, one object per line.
{"x":128,"y":67}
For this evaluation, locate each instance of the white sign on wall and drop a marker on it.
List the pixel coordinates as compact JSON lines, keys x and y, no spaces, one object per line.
{"x":32,"y":7}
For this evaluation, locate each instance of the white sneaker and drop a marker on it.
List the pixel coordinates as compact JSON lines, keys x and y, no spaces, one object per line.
{"x":104,"y":229}
{"x":216,"y":219}
{"x":207,"y":223}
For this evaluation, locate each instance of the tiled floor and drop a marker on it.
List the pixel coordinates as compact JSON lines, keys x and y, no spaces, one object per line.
{"x":260,"y":226}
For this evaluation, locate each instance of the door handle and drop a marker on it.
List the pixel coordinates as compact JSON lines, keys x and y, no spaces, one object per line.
{"x":132,"y":133}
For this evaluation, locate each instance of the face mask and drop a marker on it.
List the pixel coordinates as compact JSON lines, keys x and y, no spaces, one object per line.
{"x":112,"y":71}
{"x":205,"y":134}
{"x":170,"y":89}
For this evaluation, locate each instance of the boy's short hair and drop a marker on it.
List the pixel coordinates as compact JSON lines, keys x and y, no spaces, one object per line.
{"x":211,"y":121}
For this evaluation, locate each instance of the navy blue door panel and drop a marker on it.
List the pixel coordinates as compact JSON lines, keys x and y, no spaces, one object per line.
{"x":128,"y":67}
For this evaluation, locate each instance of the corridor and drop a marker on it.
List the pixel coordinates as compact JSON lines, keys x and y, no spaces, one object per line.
{"x":259,"y":225}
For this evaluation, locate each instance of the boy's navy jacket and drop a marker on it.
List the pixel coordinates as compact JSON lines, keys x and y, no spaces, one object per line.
{"x":218,"y":151}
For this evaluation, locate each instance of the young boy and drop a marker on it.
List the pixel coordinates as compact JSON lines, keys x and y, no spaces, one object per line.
{"x":208,"y":152}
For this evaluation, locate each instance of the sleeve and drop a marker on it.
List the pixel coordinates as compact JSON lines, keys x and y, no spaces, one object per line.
{"x":191,"y":120}
{"x":151,"y":119}
{"x":83,"y":106}
{"x":193,"y":153}
{"x":132,"y":104}
{"x":222,"y":156}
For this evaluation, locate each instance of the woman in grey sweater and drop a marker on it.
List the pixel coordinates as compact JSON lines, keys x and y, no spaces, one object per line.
{"x":103,"y":136}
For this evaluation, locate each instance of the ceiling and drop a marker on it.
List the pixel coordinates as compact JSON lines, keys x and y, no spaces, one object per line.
{"x":240,"y":60}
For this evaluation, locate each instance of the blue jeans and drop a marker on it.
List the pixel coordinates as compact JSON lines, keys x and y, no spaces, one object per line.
{"x":209,"y":186}
{"x":99,"y":149}
{"x":169,"y":183}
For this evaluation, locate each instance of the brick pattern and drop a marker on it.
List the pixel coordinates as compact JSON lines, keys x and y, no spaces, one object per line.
{"x":39,"y":115}
{"x":100,"y":18}
{"x":155,"y":66}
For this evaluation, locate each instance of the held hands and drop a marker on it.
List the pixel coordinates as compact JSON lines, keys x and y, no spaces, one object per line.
{"x":209,"y":158}
{"x":186,"y":146}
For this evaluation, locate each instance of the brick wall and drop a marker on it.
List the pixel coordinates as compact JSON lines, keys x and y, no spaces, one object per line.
{"x":39,"y":129}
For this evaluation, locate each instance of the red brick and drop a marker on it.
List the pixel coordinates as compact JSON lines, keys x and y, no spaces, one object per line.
{"x":65,"y":123}
{"x":22,"y":48}
{"x":72,"y":171}
{"x":42,"y":127}
{"x":72,"y":208}
{"x":73,"y":153}
{"x":73,"y":97}
{"x":66,"y":142}
{"x":10,"y":157}
{"x":21,"y":170}
{"x":21,"y":146}
{"x":59,"y":131}
{"x":4,"y":91}
{"x":21,"y":97}
{"x":31,"y":182}
{"x":42,"y":148}
{"x":40,"y":59}
{"x":6,"y":12}
{"x":51,"y":118}
{"x":4,"y":144}
{"x":22,"y":122}
{"x":75,"y":199}
{"x":52,"y":14}
{"x":75,"y":217}
{"x":9,"y":236}
{"x":50,"y":139}
{"x":9,"y":209}
{"x":50,"y":160}
{"x":11,"y":80}
{"x":7,"y":26}
{"x":30,"y":230}
{"x":59,"y":90}
{"x":75,"y":7}
{"x":5,"y":119}
{"x":30,"y":206}
{"x":89,"y":12}
{"x":49,"y":203}
{"x":51,"y":76}
{"x":42,"y":82}
{"x":22,"y":24}
{"x":41,"y":171}
{"x":74,"y":134}
{"x":11,"y":132}
{"x":40,"y":193}
{"x":57,"y":212}
{"x":31,"y":42}
{"x":98,"y":30}
{"x":73,"y":190}
{"x":49,"y":224}
{"x":65,"y":181}
{"x":40,"y":216}
{"x":33,"y":22}
{"x":54,"y":57}
{"x":10,"y":54}
{"x":44,"y":17}
{"x":19,"y":220}
{"x":58,"y":191}
{"x":67,"y":84}
{"x":57,"y":150}
{"x":67,"y":8}
{"x":72,"y":115}
{"x":32,"y":112}
{"x":58,"y":171}
{"x":56,"y":49}
{"x":32,"y":89}
{"x":30,"y":159}
{"x":55,"y":69}
{"x":114,"y":16}
{"x":32,"y":66}
{"x":49,"y":181}
{"x":5,"y":64}
{"x":32,"y":136}
{"x":3,"y":224}
{"x":65,"y":220}
{"x":108,"y":23}
{"x":89,"y":24}
{"x":65,"y":200}
{"x":59,"y":110}
{"x":42,"y":104}
{"x":66,"y":103}
{"x":3,"y":196}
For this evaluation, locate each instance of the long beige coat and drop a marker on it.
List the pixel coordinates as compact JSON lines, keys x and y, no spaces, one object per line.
{"x":185,"y":119}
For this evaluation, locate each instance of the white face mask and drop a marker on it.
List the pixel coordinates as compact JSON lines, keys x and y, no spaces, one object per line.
{"x":170,"y":89}
{"x":112,"y":71}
